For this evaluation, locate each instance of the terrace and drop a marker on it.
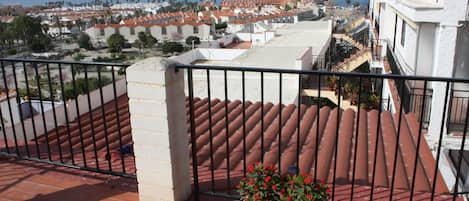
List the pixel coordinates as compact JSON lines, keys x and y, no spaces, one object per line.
{"x":146,"y":123}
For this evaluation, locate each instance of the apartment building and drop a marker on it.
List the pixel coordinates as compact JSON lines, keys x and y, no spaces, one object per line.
{"x":163,"y":31}
{"x":426,"y":38}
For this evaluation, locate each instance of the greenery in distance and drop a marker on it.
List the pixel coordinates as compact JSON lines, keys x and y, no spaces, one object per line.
{"x":189,"y":40}
{"x":69,"y":92}
{"x":116,"y":42}
{"x":171,"y":47}
{"x":27,"y":31}
{"x":84,"y":41}
{"x":82,"y":88}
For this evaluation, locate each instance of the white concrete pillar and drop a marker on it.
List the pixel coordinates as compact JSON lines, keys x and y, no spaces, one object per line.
{"x":158,"y":119}
{"x":445,"y":47}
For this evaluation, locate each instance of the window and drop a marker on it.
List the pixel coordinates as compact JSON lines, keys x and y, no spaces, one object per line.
{"x":403,"y":30}
{"x":196,"y":29}
{"x":147,"y":30}
{"x":116,"y":31}
{"x":101,"y":32}
{"x":163,"y":30}
{"x":179,"y":30}
{"x":132,"y":31}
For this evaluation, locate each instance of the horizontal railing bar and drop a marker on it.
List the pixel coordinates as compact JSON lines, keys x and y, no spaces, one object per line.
{"x":63,"y":62}
{"x":67,"y":165}
{"x":326,"y":73}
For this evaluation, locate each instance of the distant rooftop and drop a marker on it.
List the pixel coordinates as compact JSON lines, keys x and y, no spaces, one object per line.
{"x":290,"y":43}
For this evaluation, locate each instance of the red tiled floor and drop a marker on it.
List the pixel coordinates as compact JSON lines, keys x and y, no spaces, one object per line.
{"x":26,"y":180}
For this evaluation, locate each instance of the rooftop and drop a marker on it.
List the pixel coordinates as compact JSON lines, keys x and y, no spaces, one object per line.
{"x":32,"y":175}
{"x":315,"y":34}
{"x":289,"y":44}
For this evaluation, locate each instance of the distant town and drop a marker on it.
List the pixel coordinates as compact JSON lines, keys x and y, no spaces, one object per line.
{"x":116,"y":31}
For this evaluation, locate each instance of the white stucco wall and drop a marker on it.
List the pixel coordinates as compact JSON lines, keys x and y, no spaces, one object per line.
{"x":305,"y":61}
{"x":252,"y":83}
{"x":425,"y":49}
{"x":208,"y":54}
{"x":406,"y":53}
{"x":14,"y":110}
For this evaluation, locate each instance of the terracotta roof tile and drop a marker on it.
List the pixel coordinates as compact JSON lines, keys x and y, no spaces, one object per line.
{"x":326,"y":139}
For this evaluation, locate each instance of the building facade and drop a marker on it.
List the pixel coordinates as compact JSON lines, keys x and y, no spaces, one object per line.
{"x":170,"y":31}
{"x":426,"y":38}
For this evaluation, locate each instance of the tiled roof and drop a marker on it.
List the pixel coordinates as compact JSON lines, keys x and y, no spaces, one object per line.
{"x":289,"y":113}
{"x":98,"y":124}
{"x":251,"y":3}
{"x":325,"y":139}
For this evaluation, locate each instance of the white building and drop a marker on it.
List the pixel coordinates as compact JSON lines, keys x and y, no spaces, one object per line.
{"x":429,"y":38}
{"x":170,"y":31}
{"x":292,"y":47}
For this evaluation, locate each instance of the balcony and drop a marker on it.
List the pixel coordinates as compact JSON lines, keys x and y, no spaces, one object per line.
{"x":98,"y":121}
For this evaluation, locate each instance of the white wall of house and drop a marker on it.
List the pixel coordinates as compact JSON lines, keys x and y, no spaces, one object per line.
{"x":461,"y":63}
{"x":305,"y":60}
{"x":156,"y":31}
{"x":208,"y":54}
{"x":406,"y":52}
{"x":108,"y":31}
{"x":256,"y":38}
{"x":430,"y":42}
{"x":125,"y":31}
{"x":14,"y":110}
{"x":252,"y":82}
{"x":426,"y":45}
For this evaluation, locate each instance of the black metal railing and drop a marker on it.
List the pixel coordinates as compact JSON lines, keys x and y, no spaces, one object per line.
{"x":242,"y":115}
{"x":458,"y":104}
{"x":66,"y":113}
{"x":416,"y":97}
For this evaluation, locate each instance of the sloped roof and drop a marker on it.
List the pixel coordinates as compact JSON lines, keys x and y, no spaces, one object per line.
{"x":326,"y":139}
{"x":329,"y":124}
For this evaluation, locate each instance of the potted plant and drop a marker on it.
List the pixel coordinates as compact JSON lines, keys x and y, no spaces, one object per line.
{"x":264,"y":182}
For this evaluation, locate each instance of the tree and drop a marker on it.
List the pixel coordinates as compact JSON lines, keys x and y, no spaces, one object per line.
{"x":84,"y":41}
{"x":138,"y":44}
{"x":30,"y":31}
{"x":116,"y":42}
{"x":83,"y":86}
{"x":171,"y":47}
{"x":221,"y":25}
{"x":142,"y":37}
{"x":146,"y":39}
{"x":151,"y":41}
{"x":39,"y":43}
{"x":191,"y":39}
{"x":24,"y":27}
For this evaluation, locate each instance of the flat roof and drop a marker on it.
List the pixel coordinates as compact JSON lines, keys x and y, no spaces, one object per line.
{"x":290,"y":43}
{"x":315,"y":34}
